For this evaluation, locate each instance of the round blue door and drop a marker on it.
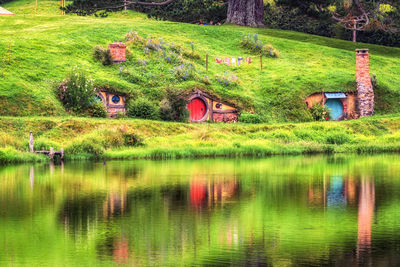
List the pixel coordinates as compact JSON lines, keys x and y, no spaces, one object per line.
{"x":336,"y":108}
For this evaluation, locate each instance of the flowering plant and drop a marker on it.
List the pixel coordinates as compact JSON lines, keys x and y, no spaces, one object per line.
{"x":228,"y":79}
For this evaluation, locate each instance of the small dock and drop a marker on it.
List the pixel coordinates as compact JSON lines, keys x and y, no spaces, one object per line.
{"x":51,"y":153}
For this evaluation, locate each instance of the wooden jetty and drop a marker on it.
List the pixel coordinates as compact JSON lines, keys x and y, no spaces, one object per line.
{"x":51,"y":153}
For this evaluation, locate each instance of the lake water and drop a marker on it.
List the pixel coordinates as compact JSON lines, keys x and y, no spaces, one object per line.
{"x":279,"y":211}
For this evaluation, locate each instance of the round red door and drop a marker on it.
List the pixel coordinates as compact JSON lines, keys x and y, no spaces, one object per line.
{"x":197,"y":109}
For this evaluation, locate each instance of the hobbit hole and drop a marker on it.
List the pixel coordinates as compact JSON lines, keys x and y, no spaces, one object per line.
{"x":204,"y":107}
{"x":113,"y":102}
{"x":344,"y":106}
{"x":197,"y":109}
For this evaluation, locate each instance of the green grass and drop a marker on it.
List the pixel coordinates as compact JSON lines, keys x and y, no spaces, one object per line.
{"x":46,"y":46}
{"x":84,"y":138}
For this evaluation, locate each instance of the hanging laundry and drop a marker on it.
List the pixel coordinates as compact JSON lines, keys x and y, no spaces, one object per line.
{"x":233,"y":61}
{"x":218,"y":60}
{"x":248,"y":60}
{"x":240,"y":61}
{"x":227,"y":61}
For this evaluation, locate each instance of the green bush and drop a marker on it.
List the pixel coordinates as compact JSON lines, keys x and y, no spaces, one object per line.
{"x":249,"y":118}
{"x":337,"y":138}
{"x":131,"y":139}
{"x":252,"y":43}
{"x":102,"y":54}
{"x":319,"y":112}
{"x":174,"y":106}
{"x":184,"y":72}
{"x":97,"y":110}
{"x":84,"y":148}
{"x":77,"y":92}
{"x":143,"y":108}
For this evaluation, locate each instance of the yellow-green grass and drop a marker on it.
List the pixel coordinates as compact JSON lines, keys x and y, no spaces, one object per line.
{"x":84,"y":138}
{"x":46,"y":46}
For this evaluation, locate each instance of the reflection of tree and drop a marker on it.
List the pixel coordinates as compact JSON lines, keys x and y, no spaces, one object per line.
{"x":80,"y":214}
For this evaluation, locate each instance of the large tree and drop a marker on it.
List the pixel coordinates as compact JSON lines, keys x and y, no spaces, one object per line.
{"x":246,"y":12}
{"x":353,"y":15}
{"x":240,"y":12}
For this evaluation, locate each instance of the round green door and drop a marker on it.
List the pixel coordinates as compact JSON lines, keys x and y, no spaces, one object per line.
{"x":336,"y":108}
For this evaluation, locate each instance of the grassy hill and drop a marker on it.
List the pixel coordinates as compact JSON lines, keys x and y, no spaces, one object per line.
{"x":46,"y":46}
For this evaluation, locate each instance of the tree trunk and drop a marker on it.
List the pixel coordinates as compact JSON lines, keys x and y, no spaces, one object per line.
{"x":246,"y":12}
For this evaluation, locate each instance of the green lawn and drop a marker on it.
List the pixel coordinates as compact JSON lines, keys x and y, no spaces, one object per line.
{"x":46,"y":46}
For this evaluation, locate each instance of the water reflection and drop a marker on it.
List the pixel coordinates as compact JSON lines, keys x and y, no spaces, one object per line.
{"x":276,"y":211}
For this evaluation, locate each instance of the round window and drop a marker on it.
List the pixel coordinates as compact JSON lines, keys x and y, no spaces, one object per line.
{"x":115,"y":99}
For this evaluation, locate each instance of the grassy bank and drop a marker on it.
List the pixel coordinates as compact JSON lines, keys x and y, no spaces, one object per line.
{"x":84,"y":138}
{"x":54,"y":44}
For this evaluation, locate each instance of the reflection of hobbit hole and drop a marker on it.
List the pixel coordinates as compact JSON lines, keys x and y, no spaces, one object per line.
{"x":345,"y":106}
{"x":203,"y":107}
{"x":114,"y":103}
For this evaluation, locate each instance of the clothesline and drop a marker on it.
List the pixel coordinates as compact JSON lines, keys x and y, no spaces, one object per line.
{"x":232,"y":61}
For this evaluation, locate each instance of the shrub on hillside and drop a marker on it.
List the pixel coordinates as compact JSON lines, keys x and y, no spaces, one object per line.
{"x":252,"y":43}
{"x":174,"y":106}
{"x":319,"y":112}
{"x":338,"y":138}
{"x":84,"y":148}
{"x":132,"y":139}
{"x":97,"y":110}
{"x":247,"y":117}
{"x":184,"y":72}
{"x":78,"y":95}
{"x":227,"y":79}
{"x":102,"y":54}
{"x":144,"y":109}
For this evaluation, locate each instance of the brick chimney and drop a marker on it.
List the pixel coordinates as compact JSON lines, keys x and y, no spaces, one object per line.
{"x":365,"y":92}
{"x":118,"y":51}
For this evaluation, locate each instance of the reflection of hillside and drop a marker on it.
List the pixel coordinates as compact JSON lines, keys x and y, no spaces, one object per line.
{"x":291,"y":212}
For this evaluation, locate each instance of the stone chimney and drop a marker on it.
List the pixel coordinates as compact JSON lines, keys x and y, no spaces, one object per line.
{"x":365,"y":92}
{"x":118,"y":51}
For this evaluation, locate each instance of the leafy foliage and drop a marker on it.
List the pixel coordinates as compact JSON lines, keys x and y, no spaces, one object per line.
{"x":319,"y":112}
{"x":247,"y":117}
{"x":78,"y":95}
{"x":102,"y":54}
{"x":227,"y":79}
{"x":194,"y":11}
{"x":143,"y":108}
{"x":252,"y":43}
{"x":174,"y":106}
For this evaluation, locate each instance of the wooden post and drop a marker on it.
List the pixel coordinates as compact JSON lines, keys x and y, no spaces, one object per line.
{"x":62,"y":153}
{"x":261,"y":62}
{"x":36,"y":7}
{"x":207,"y":62}
{"x":31,"y":142}
{"x":51,"y":154}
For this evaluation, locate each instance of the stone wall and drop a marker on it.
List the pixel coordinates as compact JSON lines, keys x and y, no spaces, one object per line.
{"x":118,"y":51}
{"x":365,"y":92}
{"x":225,"y":117}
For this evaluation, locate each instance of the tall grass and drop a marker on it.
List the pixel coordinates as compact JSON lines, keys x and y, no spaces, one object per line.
{"x":84,"y":138}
